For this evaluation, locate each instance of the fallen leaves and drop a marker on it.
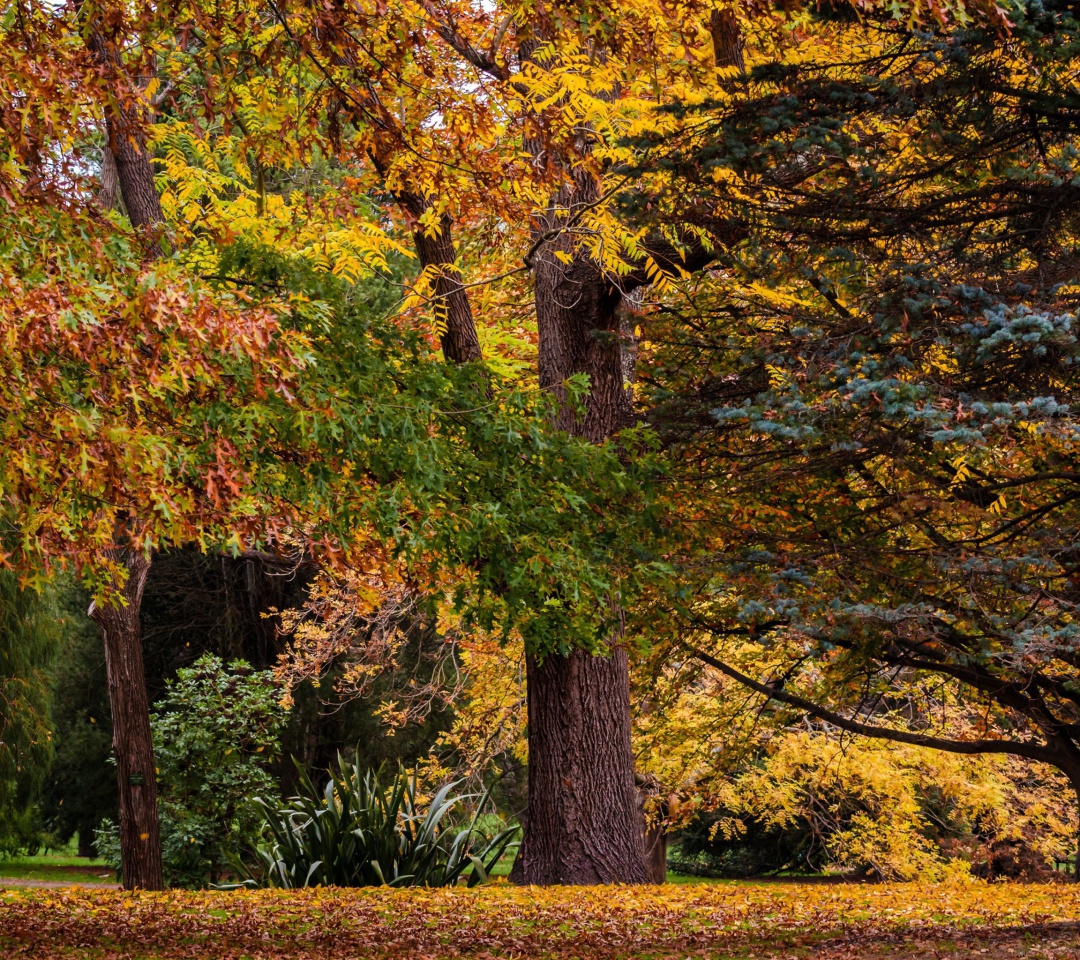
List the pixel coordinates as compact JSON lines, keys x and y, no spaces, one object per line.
{"x":725,"y":920}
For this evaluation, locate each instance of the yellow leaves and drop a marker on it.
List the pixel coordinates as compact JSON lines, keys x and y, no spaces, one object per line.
{"x":962,"y":472}
{"x":210,"y":193}
{"x":941,"y":360}
{"x":779,"y":379}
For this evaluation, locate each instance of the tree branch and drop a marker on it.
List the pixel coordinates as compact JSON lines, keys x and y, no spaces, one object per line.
{"x":1031,"y":751}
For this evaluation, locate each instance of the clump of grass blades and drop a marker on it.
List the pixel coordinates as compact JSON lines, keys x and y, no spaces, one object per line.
{"x":366,"y":828}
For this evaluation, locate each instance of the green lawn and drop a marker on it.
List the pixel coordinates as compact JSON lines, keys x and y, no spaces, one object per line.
{"x":56,"y":868}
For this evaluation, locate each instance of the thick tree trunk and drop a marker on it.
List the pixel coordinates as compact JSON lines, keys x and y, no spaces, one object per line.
{"x":584,"y":822}
{"x":133,"y":747}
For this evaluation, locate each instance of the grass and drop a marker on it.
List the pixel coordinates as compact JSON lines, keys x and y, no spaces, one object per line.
{"x":64,"y":867}
{"x":61,"y":866}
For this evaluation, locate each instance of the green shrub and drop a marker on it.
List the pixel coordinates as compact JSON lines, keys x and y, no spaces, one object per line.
{"x":216,"y":733}
{"x":360,"y":831}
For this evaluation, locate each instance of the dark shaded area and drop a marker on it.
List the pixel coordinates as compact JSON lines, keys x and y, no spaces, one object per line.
{"x":702,"y":849}
{"x":197,"y":604}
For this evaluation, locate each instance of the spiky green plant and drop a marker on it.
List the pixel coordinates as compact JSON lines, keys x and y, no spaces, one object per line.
{"x":362,"y":831}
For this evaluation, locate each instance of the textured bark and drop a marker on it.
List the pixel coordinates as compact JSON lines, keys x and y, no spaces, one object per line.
{"x":578,"y":320}
{"x":727,"y":40}
{"x":140,"y":840}
{"x":133,"y":747}
{"x":584,"y":822}
{"x":457,"y":335}
{"x":125,"y":123}
{"x":108,"y":195}
{"x":656,"y":841}
{"x":1076,"y":852}
{"x":656,"y":853}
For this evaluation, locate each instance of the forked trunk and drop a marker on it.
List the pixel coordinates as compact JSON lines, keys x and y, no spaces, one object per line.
{"x":133,"y":746}
{"x":584,"y":824}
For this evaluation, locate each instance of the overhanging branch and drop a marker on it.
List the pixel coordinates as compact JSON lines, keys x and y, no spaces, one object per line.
{"x":1031,"y":751}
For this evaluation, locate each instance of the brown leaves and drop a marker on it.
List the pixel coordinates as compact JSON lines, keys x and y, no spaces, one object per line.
{"x":774,"y":920}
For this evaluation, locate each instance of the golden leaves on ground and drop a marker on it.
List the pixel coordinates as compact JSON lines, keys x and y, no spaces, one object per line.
{"x":759,"y":920}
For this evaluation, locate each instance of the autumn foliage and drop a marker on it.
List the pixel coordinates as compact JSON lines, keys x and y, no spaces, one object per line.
{"x":832,"y":921}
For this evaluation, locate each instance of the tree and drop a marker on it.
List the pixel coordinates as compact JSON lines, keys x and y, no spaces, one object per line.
{"x":875,"y":389}
{"x":126,"y":118}
{"x":99,"y":343}
{"x":507,"y":127}
{"x":28,"y":644}
{"x":375,"y":78}
{"x":511,"y":128}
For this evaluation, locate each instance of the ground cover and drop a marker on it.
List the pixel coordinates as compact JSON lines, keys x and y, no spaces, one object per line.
{"x":745,"y":920}
{"x":55,"y":869}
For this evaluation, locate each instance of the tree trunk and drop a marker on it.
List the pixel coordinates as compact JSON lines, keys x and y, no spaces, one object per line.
{"x":140,"y":840}
{"x":656,"y":841}
{"x":727,"y":40}
{"x":133,"y":746}
{"x":584,"y":823}
{"x":125,"y":123}
{"x":86,"y":845}
{"x":656,"y":853}
{"x":108,"y":195}
{"x":457,"y":330}
{"x":1075,"y":782}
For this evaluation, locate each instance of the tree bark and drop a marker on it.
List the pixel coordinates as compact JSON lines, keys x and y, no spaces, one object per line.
{"x":578,"y":320}
{"x":584,"y":823}
{"x":108,"y":195}
{"x":1076,"y":850}
{"x":125,"y":123}
{"x":727,"y":40}
{"x":453,"y":313}
{"x":133,"y":746}
{"x":140,"y":835}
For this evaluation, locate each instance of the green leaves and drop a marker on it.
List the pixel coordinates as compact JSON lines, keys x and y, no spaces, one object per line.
{"x":217,"y":734}
{"x":363,"y":830}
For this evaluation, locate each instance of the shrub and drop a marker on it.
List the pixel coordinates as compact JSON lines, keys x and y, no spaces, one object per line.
{"x":216,"y":733}
{"x":365,"y":830}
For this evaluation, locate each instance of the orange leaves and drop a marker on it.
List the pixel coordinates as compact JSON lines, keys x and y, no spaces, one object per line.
{"x":775,"y":920}
{"x":120,"y":385}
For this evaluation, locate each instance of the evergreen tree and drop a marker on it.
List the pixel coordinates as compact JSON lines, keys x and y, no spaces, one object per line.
{"x":28,"y":643}
{"x":872,"y":398}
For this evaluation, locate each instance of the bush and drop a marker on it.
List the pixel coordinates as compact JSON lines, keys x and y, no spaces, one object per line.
{"x":359,"y":832}
{"x":216,"y":733}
